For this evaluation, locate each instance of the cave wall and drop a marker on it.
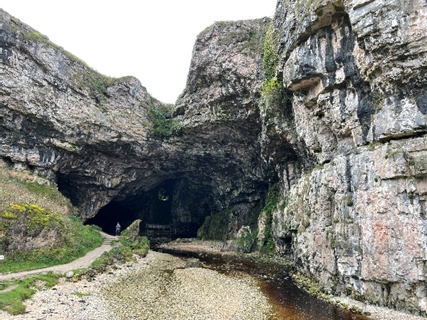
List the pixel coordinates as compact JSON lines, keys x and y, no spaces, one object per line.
{"x":354,"y":218}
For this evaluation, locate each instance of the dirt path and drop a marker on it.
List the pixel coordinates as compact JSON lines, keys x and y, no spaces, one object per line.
{"x":82,"y":262}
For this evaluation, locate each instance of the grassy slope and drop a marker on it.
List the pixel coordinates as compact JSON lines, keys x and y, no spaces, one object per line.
{"x":21,"y":188}
{"x":18,"y":187}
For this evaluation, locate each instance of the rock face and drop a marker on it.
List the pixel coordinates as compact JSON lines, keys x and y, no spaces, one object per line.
{"x":327,"y":102}
{"x":106,"y":141}
{"x":356,"y":71}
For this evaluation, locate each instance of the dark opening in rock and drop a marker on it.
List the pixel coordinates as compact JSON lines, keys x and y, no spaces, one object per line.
{"x":175,"y":208}
{"x":67,"y":188}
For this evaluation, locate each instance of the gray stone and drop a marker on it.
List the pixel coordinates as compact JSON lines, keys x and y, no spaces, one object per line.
{"x":193,"y":263}
{"x":69,"y":274}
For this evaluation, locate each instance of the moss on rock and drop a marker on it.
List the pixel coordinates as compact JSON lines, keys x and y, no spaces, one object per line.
{"x":215,"y":227}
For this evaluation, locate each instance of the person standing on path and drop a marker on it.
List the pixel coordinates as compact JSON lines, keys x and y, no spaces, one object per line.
{"x":118,"y":227}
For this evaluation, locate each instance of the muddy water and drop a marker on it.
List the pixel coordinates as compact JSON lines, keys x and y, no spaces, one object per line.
{"x":287,"y":300}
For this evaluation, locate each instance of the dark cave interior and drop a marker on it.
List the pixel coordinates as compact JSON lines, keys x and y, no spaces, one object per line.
{"x":175,"y":208}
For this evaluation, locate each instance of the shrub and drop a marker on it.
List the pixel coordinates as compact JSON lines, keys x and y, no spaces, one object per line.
{"x":163,"y":123}
{"x":214,"y":227}
{"x":9,"y":215}
{"x":271,"y":58}
{"x":274,"y":93}
{"x":124,"y":252}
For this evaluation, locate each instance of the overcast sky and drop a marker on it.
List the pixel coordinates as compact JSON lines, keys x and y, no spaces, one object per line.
{"x":149,"y":39}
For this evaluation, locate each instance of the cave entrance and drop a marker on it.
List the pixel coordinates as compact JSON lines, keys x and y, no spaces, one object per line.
{"x":175,"y":208}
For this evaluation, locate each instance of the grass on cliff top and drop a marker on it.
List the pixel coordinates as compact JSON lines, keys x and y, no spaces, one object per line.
{"x":95,"y":79}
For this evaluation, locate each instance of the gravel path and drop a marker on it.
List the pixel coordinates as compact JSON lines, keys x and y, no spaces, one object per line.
{"x":82,"y":262}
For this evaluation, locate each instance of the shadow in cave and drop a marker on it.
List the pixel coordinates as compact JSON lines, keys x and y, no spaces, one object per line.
{"x":116,"y":211}
{"x":173,"y":209}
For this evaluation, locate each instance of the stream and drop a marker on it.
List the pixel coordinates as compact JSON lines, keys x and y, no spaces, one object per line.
{"x":287,"y":300}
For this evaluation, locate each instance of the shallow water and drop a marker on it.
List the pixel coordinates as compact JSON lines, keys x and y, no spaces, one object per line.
{"x":287,"y":300}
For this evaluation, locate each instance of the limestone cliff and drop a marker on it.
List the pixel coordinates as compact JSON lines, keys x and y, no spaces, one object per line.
{"x":109,"y":145}
{"x":327,"y":102}
{"x":356,"y":74}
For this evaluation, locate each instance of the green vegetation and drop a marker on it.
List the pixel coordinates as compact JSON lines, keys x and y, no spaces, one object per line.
{"x":71,"y":239}
{"x":34,"y":211}
{"x":274,"y":96}
{"x":35,"y":36}
{"x":255,"y":41}
{"x":251,"y":40}
{"x":121,"y":253}
{"x":96,"y":80}
{"x":214,"y":227}
{"x":125,"y":252}
{"x":11,"y":301}
{"x":374,"y":145}
{"x":236,"y":35}
{"x":35,"y":218}
{"x":271,"y":58}
{"x":268,"y":246}
{"x":163,"y":123}
{"x":212,"y":26}
{"x":274,"y":93}
{"x":246,"y":241}
{"x":324,"y":294}
{"x":247,"y":33}
{"x":349,"y":200}
{"x":39,"y":211}
{"x":18,"y":187}
{"x":99,"y":83}
{"x":80,"y":295}
{"x":137,"y":244}
{"x":277,"y":106}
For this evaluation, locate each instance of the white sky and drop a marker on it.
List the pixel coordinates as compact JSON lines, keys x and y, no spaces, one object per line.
{"x":149,"y":39}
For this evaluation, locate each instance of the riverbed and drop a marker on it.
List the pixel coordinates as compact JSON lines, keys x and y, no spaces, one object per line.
{"x":164,"y":286}
{"x":287,"y":301}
